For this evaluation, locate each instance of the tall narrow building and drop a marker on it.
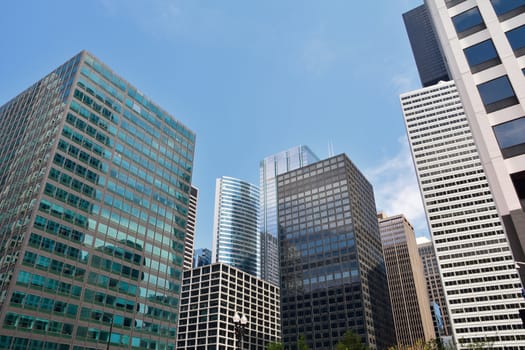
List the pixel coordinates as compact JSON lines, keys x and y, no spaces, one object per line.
{"x":484,"y":44}
{"x":189,"y":239}
{"x":482,"y":286}
{"x":94,"y":193}
{"x":436,"y":294}
{"x":333,"y":276}
{"x":270,"y":167}
{"x":406,"y":281}
{"x":235,"y":227}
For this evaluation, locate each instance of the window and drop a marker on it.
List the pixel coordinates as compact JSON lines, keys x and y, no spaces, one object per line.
{"x":508,"y":8}
{"x":452,"y":3}
{"x":468,"y":22}
{"x":497,"y":94}
{"x":518,"y":179}
{"x":511,"y":137}
{"x":482,"y":56}
{"x":516,"y":39}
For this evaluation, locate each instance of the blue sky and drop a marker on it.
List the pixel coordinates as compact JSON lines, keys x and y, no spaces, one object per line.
{"x":251,"y":78}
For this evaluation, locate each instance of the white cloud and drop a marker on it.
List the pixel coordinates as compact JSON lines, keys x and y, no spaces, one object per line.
{"x":396,"y":189}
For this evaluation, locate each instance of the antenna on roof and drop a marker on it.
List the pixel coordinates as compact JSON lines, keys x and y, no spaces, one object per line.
{"x":330,"y":149}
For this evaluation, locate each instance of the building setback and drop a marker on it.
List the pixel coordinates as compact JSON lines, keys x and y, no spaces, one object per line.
{"x":482,"y":286}
{"x":211,"y":297}
{"x":94,"y":193}
{"x":270,"y":167}
{"x":189,"y":240}
{"x":235,"y":226}
{"x":333,"y":275}
{"x":406,"y":281}
{"x":436,"y":294}
{"x":483,"y":41}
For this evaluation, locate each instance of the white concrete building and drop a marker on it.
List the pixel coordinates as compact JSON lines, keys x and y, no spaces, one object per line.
{"x":482,"y":286}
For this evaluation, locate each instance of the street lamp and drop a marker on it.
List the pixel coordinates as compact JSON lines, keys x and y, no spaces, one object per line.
{"x":240,"y":326}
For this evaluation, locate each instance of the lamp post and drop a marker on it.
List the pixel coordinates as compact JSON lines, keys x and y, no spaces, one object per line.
{"x":240,"y":327}
{"x":110,"y":332}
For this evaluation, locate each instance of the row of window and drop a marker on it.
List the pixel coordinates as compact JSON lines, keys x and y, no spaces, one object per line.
{"x":45,"y":263}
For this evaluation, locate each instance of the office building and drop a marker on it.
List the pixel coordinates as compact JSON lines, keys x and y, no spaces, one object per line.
{"x":202,"y":257}
{"x":212,"y":295}
{"x":270,"y":167}
{"x":430,"y":62}
{"x":333,"y":276}
{"x":235,"y":226}
{"x":406,"y":281}
{"x":189,"y":239}
{"x":94,"y":192}
{"x":484,"y":44}
{"x":436,"y":294}
{"x":482,"y":286}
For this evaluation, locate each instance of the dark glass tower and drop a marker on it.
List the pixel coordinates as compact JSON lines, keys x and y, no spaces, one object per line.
{"x":333,"y":275}
{"x":94,"y":194}
{"x":430,"y":62}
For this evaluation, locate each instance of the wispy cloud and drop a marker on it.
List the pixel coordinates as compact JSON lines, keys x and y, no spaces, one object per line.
{"x":396,"y":189}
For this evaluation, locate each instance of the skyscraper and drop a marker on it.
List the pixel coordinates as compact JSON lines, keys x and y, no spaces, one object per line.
{"x":333,"y":275}
{"x":483,"y":41}
{"x":482,"y":287}
{"x":406,"y":281}
{"x":202,"y":257}
{"x":189,"y":239}
{"x":270,"y":167}
{"x":235,"y":227}
{"x":94,"y":193}
{"x":429,"y":59}
{"x":436,"y":294}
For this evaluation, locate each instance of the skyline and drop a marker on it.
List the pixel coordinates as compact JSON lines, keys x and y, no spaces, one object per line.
{"x":240,"y":76}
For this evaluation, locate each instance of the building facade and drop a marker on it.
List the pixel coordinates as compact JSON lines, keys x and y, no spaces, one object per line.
{"x":270,"y":167}
{"x":430,"y":61}
{"x":482,"y":286}
{"x":94,"y":193}
{"x":436,"y":294}
{"x":333,"y":276}
{"x":202,"y":257}
{"x":406,"y":281}
{"x":211,"y":297}
{"x":235,"y":227}
{"x":483,"y":41}
{"x":189,"y":239}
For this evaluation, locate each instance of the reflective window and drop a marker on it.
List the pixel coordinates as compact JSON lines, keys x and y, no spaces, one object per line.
{"x":497,"y":94}
{"x":452,"y":3}
{"x":468,"y":22}
{"x":511,"y":137}
{"x":482,"y":56}
{"x":508,"y":8}
{"x":516,"y":39}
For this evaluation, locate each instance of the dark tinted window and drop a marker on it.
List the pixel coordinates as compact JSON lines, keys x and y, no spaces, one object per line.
{"x":508,"y":8}
{"x":497,"y":94}
{"x":468,"y":22}
{"x":482,"y":56}
{"x":511,"y":137}
{"x":452,"y":3}
{"x":516,"y":39}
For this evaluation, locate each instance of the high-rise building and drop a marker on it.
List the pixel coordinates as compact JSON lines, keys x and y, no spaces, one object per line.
{"x":202,"y":257}
{"x":482,"y":287}
{"x":211,"y":297}
{"x":94,"y":192}
{"x":235,"y":227}
{"x":189,"y":239}
{"x":270,"y":167}
{"x":333,"y":276}
{"x":406,"y":281}
{"x":484,"y":44}
{"x":436,"y":294}
{"x":429,"y":59}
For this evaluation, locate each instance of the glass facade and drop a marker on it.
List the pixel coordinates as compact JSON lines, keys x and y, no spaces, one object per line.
{"x":235,"y":235}
{"x":333,"y":275}
{"x":270,"y":167}
{"x":94,"y":193}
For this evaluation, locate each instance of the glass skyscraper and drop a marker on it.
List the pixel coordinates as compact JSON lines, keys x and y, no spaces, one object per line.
{"x":270,"y":167}
{"x":235,"y":227}
{"x":333,"y":275}
{"x":94,"y":191}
